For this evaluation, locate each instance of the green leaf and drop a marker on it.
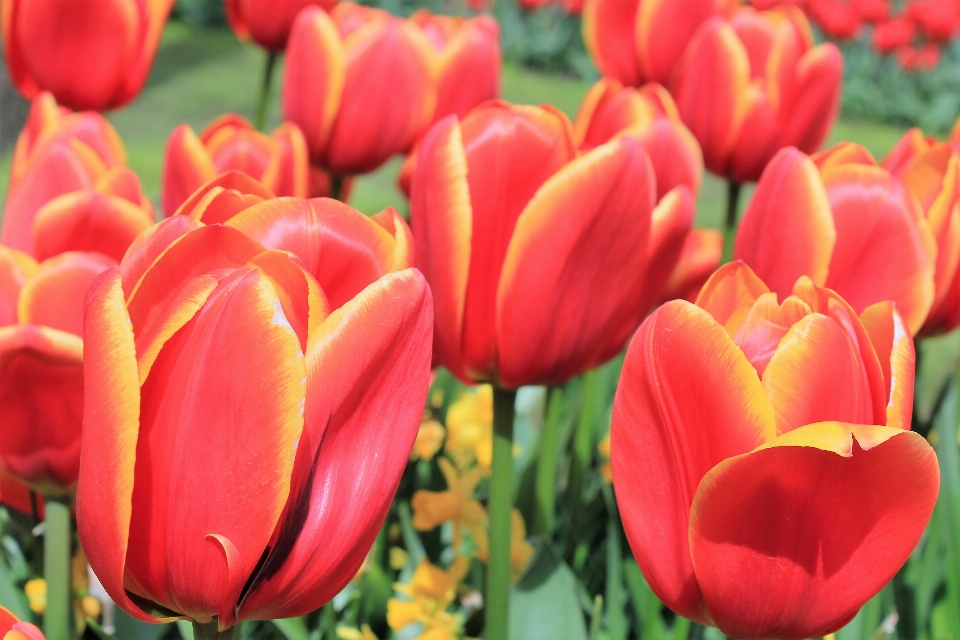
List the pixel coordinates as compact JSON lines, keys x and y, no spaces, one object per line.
{"x":292,"y":628}
{"x":646,"y":605}
{"x":544,"y":605}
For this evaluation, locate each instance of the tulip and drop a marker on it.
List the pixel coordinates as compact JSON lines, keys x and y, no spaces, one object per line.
{"x":699,"y":258}
{"x":751,"y":86}
{"x":268,"y":23}
{"x":228,"y":143}
{"x":890,"y":35}
{"x":639,"y":41}
{"x":205,"y":336}
{"x":610,"y":110}
{"x":839,"y":19}
{"x":846,"y":223}
{"x":360,"y":84}
{"x":763,"y":465}
{"x":938,"y":19}
{"x":930,"y":171}
{"x":92,"y":55}
{"x":11,"y":628}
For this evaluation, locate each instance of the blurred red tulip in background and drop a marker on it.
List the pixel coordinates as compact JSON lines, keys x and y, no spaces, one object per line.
{"x":89,"y":55}
{"x":763,"y":465}
{"x":268,"y":23}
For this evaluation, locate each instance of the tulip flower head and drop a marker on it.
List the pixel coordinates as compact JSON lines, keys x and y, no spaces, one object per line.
{"x":280,"y":162}
{"x":762,"y":460}
{"x":751,"y":86}
{"x":521,"y":237}
{"x":846,"y":223}
{"x":90,"y":55}
{"x":268,"y":23}
{"x":221,"y":333}
{"x":360,"y":84}
{"x":11,"y":628}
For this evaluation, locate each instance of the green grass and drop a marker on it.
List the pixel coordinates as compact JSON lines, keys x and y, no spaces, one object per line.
{"x":199,"y":75}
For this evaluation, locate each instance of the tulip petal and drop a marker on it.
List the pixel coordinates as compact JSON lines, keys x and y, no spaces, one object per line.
{"x":242,"y":188}
{"x":729,"y":294}
{"x":55,"y":295}
{"x":765,"y":326}
{"x":812,"y":108}
{"x":153,"y":18}
{"x":757,"y":142}
{"x":814,"y":522}
{"x":585,"y":225}
{"x":222,"y":409}
{"x":15,"y":268}
{"x":699,"y":258}
{"x":442,"y":220}
{"x":111,"y":421}
{"x":470,"y":68}
{"x":186,"y":167}
{"x":148,"y":246}
{"x":608,"y":32}
{"x":368,"y":366}
{"x":679,"y":354}
{"x":897,"y":356}
{"x":663,"y":29}
{"x":288,"y":170}
{"x":41,"y":405}
{"x":675,"y":155}
{"x":787,"y":230}
{"x":670,"y":227}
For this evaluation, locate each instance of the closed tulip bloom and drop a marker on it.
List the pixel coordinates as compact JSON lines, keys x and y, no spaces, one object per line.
{"x":205,"y":336}
{"x":280,"y":162}
{"x":839,"y":19}
{"x":845,"y":222}
{"x":930,"y":170}
{"x":890,"y":35}
{"x":268,"y":23}
{"x":41,"y":365}
{"x":360,"y":84}
{"x":467,"y":57}
{"x":94,"y":54}
{"x":640,"y":41}
{"x":762,"y":459}
{"x":649,"y":114}
{"x":753,"y":85}
{"x":542,"y":260}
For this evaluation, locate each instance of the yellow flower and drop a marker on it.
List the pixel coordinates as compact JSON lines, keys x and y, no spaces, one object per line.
{"x":429,"y":440}
{"x":431,"y":591}
{"x":521,"y":551}
{"x":470,"y":427}
{"x":398,"y":558}
{"x":36,"y":591}
{"x":603,"y":449}
{"x":456,"y":504}
{"x":364,"y":633}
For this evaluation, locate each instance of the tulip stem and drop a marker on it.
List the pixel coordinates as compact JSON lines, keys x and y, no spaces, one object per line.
{"x":730,"y":224}
{"x":209,"y":631}
{"x":260,"y":115}
{"x":57,"y":618}
{"x":549,"y":460}
{"x":501,"y":503}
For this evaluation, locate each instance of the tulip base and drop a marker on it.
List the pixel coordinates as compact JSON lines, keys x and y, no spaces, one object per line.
{"x":730,"y":223}
{"x":209,"y":631}
{"x":58,"y":618}
{"x":501,"y":503}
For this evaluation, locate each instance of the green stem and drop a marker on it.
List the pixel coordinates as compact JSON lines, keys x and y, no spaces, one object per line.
{"x":546,"y":480}
{"x":209,"y":631}
{"x":57,"y":619}
{"x":616,"y":620}
{"x":582,"y":449}
{"x":501,"y":502}
{"x":336,"y":186}
{"x":730,"y":224}
{"x":903,"y":599}
{"x":263,"y":101}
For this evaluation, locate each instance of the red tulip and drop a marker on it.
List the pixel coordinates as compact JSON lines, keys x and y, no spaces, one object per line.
{"x":700,"y":257}
{"x":938,"y":19}
{"x":752,"y":86}
{"x":11,"y":628}
{"x":41,"y":365}
{"x":924,"y":58}
{"x":640,"y":41}
{"x":268,"y":23}
{"x":467,"y":54}
{"x":206,"y":336}
{"x":930,"y":170}
{"x":228,"y":143}
{"x":90,"y":55}
{"x":610,"y":110}
{"x":762,"y":460}
{"x":839,"y":19}
{"x":360,"y":84}
{"x":890,"y":35}
{"x":542,"y":260}
{"x":872,"y":11}
{"x":846,"y":223}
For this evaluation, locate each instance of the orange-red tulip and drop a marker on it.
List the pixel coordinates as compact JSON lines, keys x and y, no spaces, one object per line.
{"x":11,"y":628}
{"x":610,"y":110}
{"x":930,"y":170}
{"x":845,"y":222}
{"x":268,"y":23}
{"x":699,"y":258}
{"x":69,"y":189}
{"x":754,"y":85}
{"x":90,"y":55}
{"x":762,"y":459}
{"x":360,"y":84}
{"x":640,"y":41}
{"x":280,"y":161}
{"x":467,"y":57}
{"x":214,"y":360}
{"x":542,"y":260}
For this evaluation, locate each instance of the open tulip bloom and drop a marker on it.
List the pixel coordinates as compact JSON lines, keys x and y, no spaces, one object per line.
{"x":762,"y":460}
{"x":215,"y":359}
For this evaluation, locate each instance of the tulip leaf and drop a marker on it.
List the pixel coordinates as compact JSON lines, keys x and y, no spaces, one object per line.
{"x":545,"y":603}
{"x":646,"y":606}
{"x":292,"y":628}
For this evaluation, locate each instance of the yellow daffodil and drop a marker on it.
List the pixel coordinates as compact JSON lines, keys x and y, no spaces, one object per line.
{"x":456,"y":504}
{"x":36,"y":591}
{"x":470,"y":427}
{"x":521,"y":551}
{"x":603,"y":449}
{"x":363,"y":633}
{"x":429,"y":440}
{"x":429,"y":594}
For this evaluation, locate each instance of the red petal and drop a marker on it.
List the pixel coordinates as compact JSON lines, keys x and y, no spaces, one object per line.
{"x":895,"y":350}
{"x":765,"y":326}
{"x":148,"y":246}
{"x":608,"y":32}
{"x":675,"y":155}
{"x":15,"y":268}
{"x":470,"y":73}
{"x":288,"y":171}
{"x":815,"y":103}
{"x":729,"y":294}
{"x":186,"y":167}
{"x":699,"y":258}
{"x":224,"y":196}
{"x":54,"y":296}
{"x":664,"y":27}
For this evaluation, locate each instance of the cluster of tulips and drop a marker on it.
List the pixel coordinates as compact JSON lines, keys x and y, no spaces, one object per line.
{"x":225,"y":401}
